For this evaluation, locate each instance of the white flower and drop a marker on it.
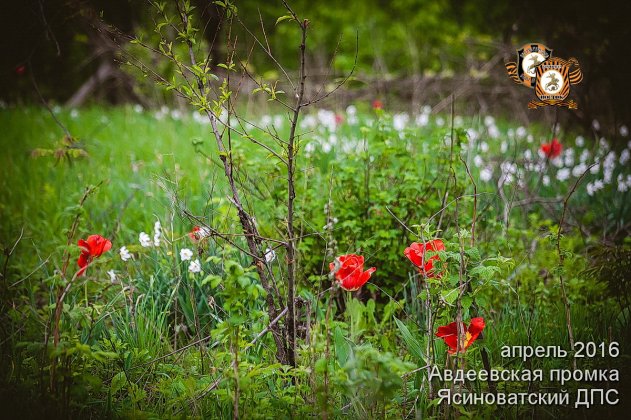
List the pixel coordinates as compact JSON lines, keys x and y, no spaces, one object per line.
{"x":270,"y":255}
{"x":195,"y":267}
{"x":74,"y":114}
{"x":484,"y":147}
{"x":267,"y":120}
{"x":596,"y":125}
{"x":309,"y":121}
{"x":494,"y":132}
{"x":144,"y":239}
{"x":585,"y":155}
{"x":521,"y":132}
{"x":595,"y":186}
{"x":399,"y":121}
{"x":624,"y":131}
{"x":278,"y":121}
{"x":528,"y":154}
{"x":157,"y":233}
{"x":604,"y":144}
{"x":486,"y":174}
{"x":422,"y":120}
{"x":569,"y":157}
{"x":489,"y":120}
{"x":508,"y":169}
{"x":579,"y":169}
{"x":472,"y":134}
{"x":608,"y":166}
{"x":503,"y":147}
{"x":557,"y":162}
{"x":138,"y":108}
{"x":580,"y":141}
{"x":351,"y":110}
{"x":594,"y":170}
{"x":186,"y":254}
{"x":327,"y":119}
{"x":623,"y":185}
{"x":440,"y":121}
{"x":176,"y":114}
{"x":426,"y":109}
{"x":530,"y":138}
{"x":545,"y":180}
{"x":624,"y":156}
{"x":589,"y":188}
{"x":477,"y":161}
{"x":563,"y":174}
{"x":124,"y":253}
{"x":112,"y":275}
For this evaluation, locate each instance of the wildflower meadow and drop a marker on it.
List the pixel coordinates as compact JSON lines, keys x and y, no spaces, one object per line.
{"x":248,"y":248}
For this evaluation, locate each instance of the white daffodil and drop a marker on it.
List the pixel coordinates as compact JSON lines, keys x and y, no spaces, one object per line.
{"x":186,"y":254}
{"x":195,"y":267}
{"x":124,"y":253}
{"x":144,"y":239}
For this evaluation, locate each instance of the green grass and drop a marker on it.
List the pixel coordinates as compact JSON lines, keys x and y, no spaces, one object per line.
{"x":118,"y":351}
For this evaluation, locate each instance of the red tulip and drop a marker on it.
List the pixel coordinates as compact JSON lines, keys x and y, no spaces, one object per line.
{"x":91,"y":248}
{"x":416,"y":253}
{"x":339,"y":119}
{"x":377,"y":104}
{"x":449,"y":333}
{"x":20,"y":70}
{"x":350,"y":273}
{"x":553,"y":149}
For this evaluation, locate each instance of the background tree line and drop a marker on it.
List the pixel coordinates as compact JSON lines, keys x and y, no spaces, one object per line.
{"x":409,"y":51}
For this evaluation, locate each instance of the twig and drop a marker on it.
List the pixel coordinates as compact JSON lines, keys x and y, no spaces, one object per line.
{"x":291,"y":194}
{"x":8,"y":253}
{"x":566,"y":302}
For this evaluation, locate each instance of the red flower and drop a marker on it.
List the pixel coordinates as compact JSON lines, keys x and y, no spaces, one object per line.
{"x":449,"y":333}
{"x":339,"y":119}
{"x":198,"y":233}
{"x":350,"y":273}
{"x":553,"y":149}
{"x":91,"y":248}
{"x":20,"y":70}
{"x":377,"y":104}
{"x":416,"y":253}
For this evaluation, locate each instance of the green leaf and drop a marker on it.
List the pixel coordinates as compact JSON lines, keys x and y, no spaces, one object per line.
{"x":342,"y":347}
{"x":412,"y":344}
{"x":283,"y":18}
{"x":213,"y":279}
{"x":450,"y":296}
{"x":118,"y":382}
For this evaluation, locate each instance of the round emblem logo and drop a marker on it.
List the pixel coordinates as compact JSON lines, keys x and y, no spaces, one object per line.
{"x":552,"y":82}
{"x":530,"y":62}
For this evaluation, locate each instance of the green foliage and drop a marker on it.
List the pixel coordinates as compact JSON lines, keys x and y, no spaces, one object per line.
{"x":123,"y":348}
